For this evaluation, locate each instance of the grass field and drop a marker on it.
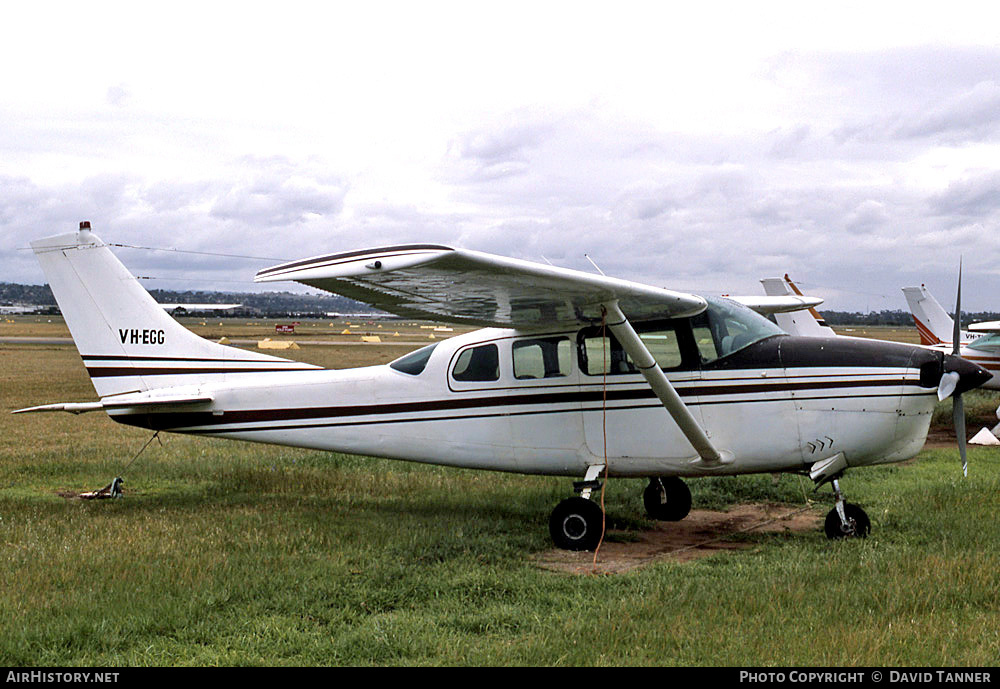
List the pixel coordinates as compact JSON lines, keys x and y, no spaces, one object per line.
{"x":228,"y":553}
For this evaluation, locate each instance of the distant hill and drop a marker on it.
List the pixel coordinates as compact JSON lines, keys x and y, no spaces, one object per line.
{"x":273,"y":304}
{"x":895,"y":317}
{"x":282,"y":304}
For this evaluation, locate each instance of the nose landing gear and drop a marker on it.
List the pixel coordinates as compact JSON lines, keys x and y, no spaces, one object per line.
{"x":846,"y":520}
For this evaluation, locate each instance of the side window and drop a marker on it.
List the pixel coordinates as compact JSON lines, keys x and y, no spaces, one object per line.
{"x":663,"y":345}
{"x":414,"y":363}
{"x":703,"y":338}
{"x":480,"y":363}
{"x":547,"y":357}
{"x":599,"y":355}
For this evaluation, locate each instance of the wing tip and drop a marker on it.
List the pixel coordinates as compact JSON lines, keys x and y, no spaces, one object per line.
{"x":348,"y":263}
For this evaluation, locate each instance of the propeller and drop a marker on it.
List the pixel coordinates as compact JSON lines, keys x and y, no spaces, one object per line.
{"x":957,"y":406}
{"x":959,"y":375}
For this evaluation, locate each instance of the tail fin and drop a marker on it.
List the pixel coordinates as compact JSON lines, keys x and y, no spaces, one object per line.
{"x":804,"y":323}
{"x":933,"y":322}
{"x":127,"y":341}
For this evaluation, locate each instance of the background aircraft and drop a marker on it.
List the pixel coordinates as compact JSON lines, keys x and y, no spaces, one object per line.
{"x":980,"y":343}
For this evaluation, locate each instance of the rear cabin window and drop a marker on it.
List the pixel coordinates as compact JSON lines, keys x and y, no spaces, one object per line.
{"x":414,"y":362}
{"x":548,"y":357}
{"x":480,"y":363}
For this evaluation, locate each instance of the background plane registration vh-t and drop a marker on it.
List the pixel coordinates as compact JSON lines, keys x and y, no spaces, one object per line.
{"x":574,"y":374}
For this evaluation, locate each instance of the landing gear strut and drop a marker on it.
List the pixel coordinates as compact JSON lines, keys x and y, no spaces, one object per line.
{"x":667,"y":499}
{"x":846,"y":520}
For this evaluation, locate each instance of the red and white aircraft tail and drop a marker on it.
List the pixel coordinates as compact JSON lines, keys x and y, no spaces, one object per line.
{"x":933,"y":322}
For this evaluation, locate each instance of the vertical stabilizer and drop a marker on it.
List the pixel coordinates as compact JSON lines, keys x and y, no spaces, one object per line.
{"x":808,"y":323}
{"x":933,"y":322}
{"x":127,"y":341}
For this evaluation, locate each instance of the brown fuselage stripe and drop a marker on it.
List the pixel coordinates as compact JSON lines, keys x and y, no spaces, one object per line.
{"x":176,"y":420}
{"x":112,"y":371}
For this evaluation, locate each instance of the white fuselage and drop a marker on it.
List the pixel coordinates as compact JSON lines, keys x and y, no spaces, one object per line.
{"x":769,"y":417}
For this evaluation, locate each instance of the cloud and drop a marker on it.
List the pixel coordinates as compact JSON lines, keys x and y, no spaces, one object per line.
{"x":704,"y":164}
{"x":976,"y":196}
{"x":971,"y":115}
{"x":118,"y":95}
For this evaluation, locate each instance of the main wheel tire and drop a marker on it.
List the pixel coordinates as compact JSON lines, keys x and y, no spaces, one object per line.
{"x":667,"y":499}
{"x":576,"y":524}
{"x":860,"y":524}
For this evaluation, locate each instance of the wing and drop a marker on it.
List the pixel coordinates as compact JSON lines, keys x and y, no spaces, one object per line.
{"x":462,"y":286}
{"x":986,"y":327}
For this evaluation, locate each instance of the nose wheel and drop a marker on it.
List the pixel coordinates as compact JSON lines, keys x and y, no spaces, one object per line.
{"x":846,"y":520}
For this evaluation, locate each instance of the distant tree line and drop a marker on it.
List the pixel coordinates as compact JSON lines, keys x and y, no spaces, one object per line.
{"x":895,"y":317}
{"x":283,"y":304}
{"x":266,"y":304}
{"x":11,"y":293}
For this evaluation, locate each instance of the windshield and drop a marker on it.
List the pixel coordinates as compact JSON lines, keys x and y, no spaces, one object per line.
{"x":987,"y":342}
{"x":414,"y":362}
{"x":727,"y":326}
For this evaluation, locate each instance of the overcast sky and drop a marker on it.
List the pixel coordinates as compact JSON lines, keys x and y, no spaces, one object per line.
{"x":855,"y":146}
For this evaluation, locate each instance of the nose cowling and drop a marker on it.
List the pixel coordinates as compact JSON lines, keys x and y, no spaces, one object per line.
{"x":970,"y":375}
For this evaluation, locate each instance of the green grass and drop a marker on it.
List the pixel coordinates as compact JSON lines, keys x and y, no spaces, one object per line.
{"x":227,"y":553}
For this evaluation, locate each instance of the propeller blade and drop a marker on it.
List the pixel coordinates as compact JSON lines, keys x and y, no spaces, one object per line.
{"x":958,"y":418}
{"x":956,"y":335}
{"x":947,"y":385}
{"x":958,"y":407}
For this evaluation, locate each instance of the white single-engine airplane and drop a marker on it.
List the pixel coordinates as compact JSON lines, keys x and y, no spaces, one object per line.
{"x":575,"y":374}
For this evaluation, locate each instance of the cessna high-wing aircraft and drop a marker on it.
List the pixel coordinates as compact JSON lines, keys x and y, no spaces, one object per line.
{"x":980,"y":343}
{"x":575,"y":374}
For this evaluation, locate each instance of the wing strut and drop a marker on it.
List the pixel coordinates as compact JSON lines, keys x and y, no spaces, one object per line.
{"x":636,"y":349}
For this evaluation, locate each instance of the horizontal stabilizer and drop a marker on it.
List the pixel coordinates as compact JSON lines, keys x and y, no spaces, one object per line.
{"x":144,"y":401}
{"x":71,"y":407}
{"x":148,"y":400}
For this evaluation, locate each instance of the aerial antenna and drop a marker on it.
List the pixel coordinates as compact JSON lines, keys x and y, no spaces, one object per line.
{"x":593,"y":264}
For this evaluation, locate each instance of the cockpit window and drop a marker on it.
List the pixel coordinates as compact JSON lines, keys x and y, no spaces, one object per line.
{"x":480,"y":363}
{"x":414,"y":362}
{"x":727,"y":326}
{"x":987,"y":343}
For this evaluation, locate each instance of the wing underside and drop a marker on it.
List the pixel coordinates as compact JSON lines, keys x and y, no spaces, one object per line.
{"x":461,"y":286}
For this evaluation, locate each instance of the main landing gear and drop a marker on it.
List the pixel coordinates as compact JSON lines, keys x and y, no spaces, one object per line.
{"x":846,"y":520}
{"x":667,"y":499}
{"x":578,"y":523}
